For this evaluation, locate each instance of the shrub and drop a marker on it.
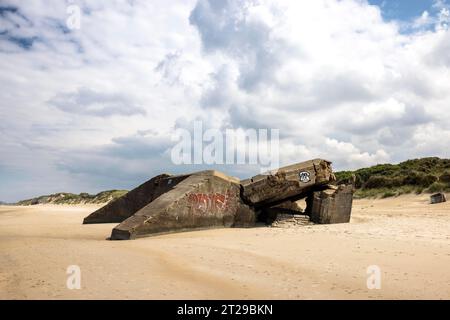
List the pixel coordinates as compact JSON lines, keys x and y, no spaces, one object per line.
{"x":445,"y":178}
{"x":436,"y":187}
{"x":428,"y":180}
{"x":415,"y":178}
{"x":85,"y":195}
{"x":343,"y":177}
{"x":417,"y":175}
{"x":397,"y":181}
{"x":388,"y":194}
{"x":377,"y":182}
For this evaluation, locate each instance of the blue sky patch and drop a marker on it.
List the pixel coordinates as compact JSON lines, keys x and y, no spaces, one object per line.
{"x":403,"y":9}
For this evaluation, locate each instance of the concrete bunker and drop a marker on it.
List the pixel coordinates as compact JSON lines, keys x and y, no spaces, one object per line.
{"x":210,"y":199}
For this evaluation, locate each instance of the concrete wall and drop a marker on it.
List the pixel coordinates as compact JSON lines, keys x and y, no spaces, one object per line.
{"x":124,"y":207}
{"x":332,"y":205}
{"x":203,"y":200}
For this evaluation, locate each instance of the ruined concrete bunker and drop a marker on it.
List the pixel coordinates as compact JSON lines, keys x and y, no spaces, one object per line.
{"x":211,"y":199}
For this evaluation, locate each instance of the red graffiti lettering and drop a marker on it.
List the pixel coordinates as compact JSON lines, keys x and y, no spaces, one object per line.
{"x":210,"y":202}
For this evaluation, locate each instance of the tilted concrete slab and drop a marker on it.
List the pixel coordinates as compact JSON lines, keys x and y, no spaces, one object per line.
{"x":127,"y":205}
{"x":333,"y":205}
{"x":203,"y":200}
{"x":287,"y":183}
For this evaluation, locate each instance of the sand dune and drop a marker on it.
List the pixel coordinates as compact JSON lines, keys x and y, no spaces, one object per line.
{"x":406,"y":237}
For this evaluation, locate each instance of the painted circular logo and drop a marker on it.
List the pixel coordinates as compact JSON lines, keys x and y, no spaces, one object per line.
{"x":305,"y":176}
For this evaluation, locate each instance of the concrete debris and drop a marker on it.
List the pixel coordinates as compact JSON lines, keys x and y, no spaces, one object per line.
{"x":210,"y":199}
{"x":437,"y":198}
{"x":284,"y":220}
{"x":331,"y":205}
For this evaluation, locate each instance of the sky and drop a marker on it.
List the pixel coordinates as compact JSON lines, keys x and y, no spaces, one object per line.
{"x":93,"y":103}
{"x":403,"y":10}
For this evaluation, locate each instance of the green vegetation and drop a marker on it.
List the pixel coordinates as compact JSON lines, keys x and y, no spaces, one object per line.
{"x":70,"y":198}
{"x":428,"y":175}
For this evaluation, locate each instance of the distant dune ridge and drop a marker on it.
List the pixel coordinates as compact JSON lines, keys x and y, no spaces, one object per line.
{"x":425,"y":175}
{"x":70,"y":198}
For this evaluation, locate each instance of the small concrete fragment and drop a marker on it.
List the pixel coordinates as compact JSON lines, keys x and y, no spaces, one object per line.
{"x":284,"y":220}
{"x":288,"y":183}
{"x":331,"y":205}
{"x":438,"y":198}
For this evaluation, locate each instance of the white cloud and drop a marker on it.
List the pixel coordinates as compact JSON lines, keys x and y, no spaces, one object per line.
{"x":88,"y":102}
{"x":423,"y":21}
{"x":94,"y":106}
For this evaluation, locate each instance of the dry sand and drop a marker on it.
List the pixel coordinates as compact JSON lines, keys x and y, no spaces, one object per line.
{"x":406,"y":237}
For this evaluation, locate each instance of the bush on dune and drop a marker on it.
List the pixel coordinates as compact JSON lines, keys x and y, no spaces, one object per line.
{"x":388,"y":180}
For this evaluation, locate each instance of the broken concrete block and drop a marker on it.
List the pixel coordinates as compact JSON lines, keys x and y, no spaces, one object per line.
{"x":124,"y":207}
{"x":203,"y":200}
{"x":437,"y":198}
{"x":288,"y":183}
{"x":333,"y":205}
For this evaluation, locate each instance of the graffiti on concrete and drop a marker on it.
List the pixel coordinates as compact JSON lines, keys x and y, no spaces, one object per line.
{"x":305,"y":176}
{"x":210,"y":202}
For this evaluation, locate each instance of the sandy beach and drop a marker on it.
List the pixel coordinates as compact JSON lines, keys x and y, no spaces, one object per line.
{"x":406,"y":237}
